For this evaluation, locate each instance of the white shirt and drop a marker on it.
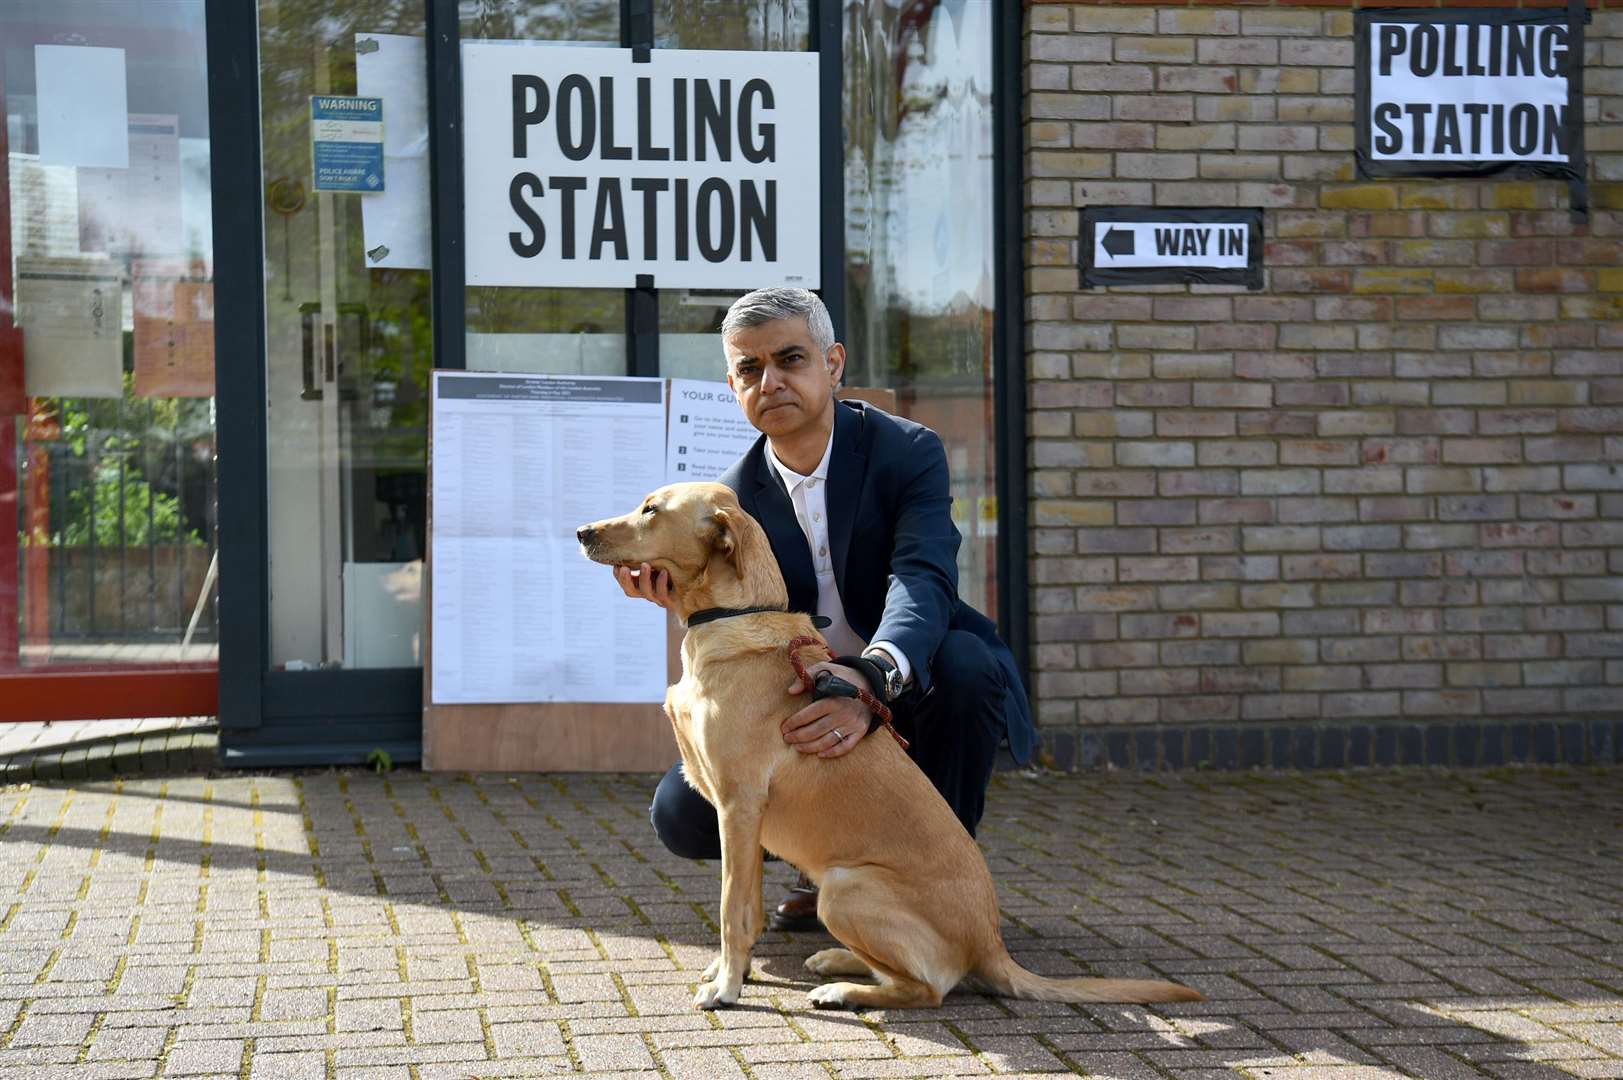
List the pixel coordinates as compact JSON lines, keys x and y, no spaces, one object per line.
{"x":809,"y":494}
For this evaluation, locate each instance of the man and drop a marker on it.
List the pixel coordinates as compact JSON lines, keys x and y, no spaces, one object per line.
{"x":856,"y":505}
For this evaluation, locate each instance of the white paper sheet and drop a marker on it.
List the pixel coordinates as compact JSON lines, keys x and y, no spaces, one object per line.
{"x":394,"y":67}
{"x":83,"y":106}
{"x":44,"y":207}
{"x":71,"y":311}
{"x":520,"y":462}
{"x":707,"y":432}
{"x":136,"y":211}
{"x":395,"y":221}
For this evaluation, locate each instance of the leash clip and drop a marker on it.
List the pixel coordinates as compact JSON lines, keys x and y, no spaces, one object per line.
{"x":828,"y":684}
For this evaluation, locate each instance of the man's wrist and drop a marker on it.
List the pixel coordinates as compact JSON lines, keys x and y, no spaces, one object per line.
{"x":872,"y":676}
{"x":896,"y":656}
{"x":890,"y":683}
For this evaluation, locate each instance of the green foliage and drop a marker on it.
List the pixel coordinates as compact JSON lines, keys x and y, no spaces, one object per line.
{"x":380,"y":761}
{"x":103,"y":449}
{"x":150,"y":516}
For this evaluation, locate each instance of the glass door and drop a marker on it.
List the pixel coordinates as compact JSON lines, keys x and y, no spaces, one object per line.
{"x":108,"y":559}
{"x":348,"y":331}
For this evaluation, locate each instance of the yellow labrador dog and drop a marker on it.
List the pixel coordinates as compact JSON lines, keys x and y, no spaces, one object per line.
{"x":903,"y":887}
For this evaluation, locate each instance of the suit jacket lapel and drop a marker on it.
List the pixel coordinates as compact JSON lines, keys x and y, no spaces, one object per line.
{"x":777,"y":516}
{"x":846,"y":469}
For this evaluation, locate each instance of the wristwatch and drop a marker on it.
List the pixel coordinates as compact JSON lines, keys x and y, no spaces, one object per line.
{"x":891,"y":674}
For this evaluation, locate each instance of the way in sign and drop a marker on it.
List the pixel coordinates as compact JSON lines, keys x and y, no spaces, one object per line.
{"x":1127,"y":244}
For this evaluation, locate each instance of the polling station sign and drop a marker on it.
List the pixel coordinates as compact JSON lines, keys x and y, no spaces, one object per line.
{"x":1475,"y":92}
{"x":346,"y":143}
{"x":590,"y":167}
{"x":1145,"y":245}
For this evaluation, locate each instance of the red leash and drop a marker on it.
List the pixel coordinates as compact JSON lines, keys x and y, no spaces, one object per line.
{"x":880,"y":709}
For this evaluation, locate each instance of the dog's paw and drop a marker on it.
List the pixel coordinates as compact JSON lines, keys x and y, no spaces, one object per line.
{"x":714,"y":995}
{"x":835,"y":962}
{"x":712,"y":971}
{"x":828,"y":996}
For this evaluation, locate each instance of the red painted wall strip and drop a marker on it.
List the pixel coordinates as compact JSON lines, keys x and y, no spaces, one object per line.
{"x":109,"y":695}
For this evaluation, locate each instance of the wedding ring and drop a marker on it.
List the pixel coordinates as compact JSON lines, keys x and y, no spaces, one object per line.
{"x":839,"y":736}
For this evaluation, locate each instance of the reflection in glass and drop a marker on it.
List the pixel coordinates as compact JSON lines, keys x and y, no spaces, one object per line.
{"x":918,"y":206}
{"x":743,"y":24}
{"x":690,"y":333}
{"x":106,"y":337}
{"x":557,"y":21}
{"x":348,"y":341}
{"x":555,"y":331}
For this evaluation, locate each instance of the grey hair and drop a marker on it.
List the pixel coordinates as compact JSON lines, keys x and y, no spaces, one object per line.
{"x":770,"y":305}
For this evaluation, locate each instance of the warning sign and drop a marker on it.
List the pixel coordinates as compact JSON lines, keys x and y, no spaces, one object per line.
{"x":1127,"y":245}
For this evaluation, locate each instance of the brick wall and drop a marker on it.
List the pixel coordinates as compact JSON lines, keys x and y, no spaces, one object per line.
{"x":1387,"y":489}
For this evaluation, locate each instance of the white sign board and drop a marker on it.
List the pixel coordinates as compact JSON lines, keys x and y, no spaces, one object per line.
{"x":521,"y":462}
{"x":1466,"y":91}
{"x":585,"y":168}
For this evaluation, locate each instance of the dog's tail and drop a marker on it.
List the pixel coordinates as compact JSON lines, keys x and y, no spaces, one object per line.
{"x":1003,"y":976}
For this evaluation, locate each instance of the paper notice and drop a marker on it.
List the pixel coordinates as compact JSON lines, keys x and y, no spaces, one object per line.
{"x":71,"y":312}
{"x":395,"y":221}
{"x":136,"y":211}
{"x":519,"y":463}
{"x":707,"y":433}
{"x":394,"y":67}
{"x":44,"y":207}
{"x":174,"y":330}
{"x":82,"y":106}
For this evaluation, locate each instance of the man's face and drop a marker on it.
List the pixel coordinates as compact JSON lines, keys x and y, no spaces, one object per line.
{"x":783,"y":381}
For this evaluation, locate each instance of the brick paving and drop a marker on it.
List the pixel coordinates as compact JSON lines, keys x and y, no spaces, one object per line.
{"x":89,"y":749}
{"x":411,"y":927}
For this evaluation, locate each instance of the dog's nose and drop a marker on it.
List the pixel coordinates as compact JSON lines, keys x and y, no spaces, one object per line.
{"x":585,"y":534}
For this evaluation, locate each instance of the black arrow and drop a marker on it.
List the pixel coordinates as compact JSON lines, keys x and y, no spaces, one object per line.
{"x":1118,"y":241}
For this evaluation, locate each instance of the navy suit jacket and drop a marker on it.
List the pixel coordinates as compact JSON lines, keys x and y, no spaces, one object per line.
{"x":895,"y":547}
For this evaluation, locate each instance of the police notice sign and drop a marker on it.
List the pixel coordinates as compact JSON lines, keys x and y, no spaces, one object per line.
{"x":1149,"y":245}
{"x":1469,"y":92}
{"x":586,"y":168}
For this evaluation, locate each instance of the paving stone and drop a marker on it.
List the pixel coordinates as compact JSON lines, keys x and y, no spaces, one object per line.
{"x":204,"y":1057}
{"x":1399,"y":923}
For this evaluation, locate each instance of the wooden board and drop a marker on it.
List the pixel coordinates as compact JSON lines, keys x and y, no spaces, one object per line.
{"x":553,"y":736}
{"x":539,"y":736}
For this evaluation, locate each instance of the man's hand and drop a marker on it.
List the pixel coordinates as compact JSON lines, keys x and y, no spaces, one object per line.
{"x":645,"y":583}
{"x":832,"y":727}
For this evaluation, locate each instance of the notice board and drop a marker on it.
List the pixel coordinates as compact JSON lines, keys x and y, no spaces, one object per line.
{"x":511,"y":469}
{"x":534,"y":659}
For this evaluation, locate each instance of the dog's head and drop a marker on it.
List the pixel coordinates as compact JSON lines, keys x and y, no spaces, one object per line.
{"x":715,"y":553}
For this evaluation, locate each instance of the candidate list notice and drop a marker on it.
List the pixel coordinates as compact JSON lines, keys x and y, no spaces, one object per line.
{"x":521,"y":462}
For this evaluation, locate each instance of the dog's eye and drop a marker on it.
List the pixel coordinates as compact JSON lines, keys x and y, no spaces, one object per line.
{"x":650,"y":508}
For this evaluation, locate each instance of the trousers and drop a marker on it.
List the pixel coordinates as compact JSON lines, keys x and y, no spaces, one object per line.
{"x":953,"y":733}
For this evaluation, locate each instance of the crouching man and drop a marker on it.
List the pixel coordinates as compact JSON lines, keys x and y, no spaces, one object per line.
{"x":855,"y":502}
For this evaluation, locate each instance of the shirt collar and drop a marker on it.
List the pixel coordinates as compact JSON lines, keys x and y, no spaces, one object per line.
{"x":792,"y":479}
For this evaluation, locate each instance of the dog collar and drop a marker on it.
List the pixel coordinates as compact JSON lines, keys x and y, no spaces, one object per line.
{"x":699,"y":618}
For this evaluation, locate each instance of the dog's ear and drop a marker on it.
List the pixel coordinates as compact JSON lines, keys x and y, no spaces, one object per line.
{"x":725,"y":540}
